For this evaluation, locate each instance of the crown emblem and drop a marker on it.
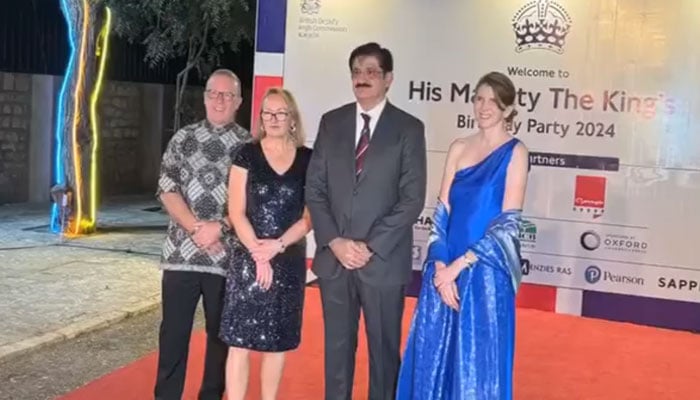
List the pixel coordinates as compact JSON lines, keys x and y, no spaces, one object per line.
{"x":310,"y":6}
{"x":541,"y":24}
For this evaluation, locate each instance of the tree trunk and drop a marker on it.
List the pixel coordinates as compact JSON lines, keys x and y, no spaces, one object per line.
{"x":77,"y":131}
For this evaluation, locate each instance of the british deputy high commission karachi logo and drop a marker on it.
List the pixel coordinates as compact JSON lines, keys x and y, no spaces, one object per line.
{"x":541,"y":24}
{"x":310,"y":7}
{"x":315,"y":22}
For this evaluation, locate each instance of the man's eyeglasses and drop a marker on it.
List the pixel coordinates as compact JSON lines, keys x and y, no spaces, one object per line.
{"x":279,"y":115}
{"x":372,"y":73}
{"x":215,"y":94}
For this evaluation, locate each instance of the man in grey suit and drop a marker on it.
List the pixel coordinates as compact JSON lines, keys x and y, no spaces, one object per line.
{"x":365,"y":189}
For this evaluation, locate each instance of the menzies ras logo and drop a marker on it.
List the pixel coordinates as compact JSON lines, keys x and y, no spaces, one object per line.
{"x":541,"y":24}
{"x":589,"y":195}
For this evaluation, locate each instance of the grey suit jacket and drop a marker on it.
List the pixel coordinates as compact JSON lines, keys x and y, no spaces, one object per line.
{"x":381,"y":206}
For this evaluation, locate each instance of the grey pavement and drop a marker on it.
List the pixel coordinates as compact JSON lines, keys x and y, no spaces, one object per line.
{"x":53,"y":289}
{"x":43,"y":374}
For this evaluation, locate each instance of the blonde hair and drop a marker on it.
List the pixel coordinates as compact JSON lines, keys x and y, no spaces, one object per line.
{"x":297,"y":131}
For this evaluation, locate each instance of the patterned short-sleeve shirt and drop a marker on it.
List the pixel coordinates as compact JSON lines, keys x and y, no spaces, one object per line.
{"x":196,"y":165}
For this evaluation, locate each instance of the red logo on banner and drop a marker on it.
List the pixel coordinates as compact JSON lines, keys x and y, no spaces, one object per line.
{"x":589,"y":195}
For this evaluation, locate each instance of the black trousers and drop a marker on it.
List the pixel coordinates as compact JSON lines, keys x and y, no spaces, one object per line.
{"x":180,"y":294}
{"x":382,"y":307}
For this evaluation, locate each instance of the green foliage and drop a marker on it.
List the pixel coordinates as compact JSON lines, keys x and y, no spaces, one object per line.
{"x":199,"y":30}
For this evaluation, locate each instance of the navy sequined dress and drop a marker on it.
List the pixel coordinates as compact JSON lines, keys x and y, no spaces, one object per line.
{"x":267,"y":320}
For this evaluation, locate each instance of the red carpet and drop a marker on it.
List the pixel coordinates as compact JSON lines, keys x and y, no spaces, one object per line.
{"x":557,"y":357}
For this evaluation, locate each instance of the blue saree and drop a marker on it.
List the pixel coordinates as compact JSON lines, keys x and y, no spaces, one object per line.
{"x":468,"y":354}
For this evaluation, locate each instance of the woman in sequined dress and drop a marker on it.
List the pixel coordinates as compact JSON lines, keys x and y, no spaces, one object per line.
{"x":267,"y":273}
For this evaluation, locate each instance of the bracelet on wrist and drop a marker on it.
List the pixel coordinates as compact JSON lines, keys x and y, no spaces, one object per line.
{"x":469,"y":260}
{"x":466,"y":261}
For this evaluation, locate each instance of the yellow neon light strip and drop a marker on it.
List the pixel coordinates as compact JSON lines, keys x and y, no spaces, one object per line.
{"x":76,"y":119}
{"x":102,"y":51}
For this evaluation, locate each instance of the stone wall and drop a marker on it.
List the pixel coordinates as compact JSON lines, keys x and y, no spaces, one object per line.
{"x":125,"y":151}
{"x":120,"y":146}
{"x":135,"y":126}
{"x":15,"y":117}
{"x":193,"y":105}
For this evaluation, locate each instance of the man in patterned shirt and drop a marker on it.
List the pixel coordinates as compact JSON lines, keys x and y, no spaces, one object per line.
{"x":193,"y":189}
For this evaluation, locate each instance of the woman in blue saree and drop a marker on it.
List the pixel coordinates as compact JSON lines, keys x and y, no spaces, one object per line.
{"x":461,"y":342}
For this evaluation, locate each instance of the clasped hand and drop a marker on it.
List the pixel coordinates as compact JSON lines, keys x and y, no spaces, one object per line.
{"x":262,"y":251}
{"x":446,"y":276}
{"x":351,"y":254}
{"x":207,"y":236}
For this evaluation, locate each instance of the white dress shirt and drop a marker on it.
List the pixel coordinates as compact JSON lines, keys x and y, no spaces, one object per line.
{"x":374,"y":114}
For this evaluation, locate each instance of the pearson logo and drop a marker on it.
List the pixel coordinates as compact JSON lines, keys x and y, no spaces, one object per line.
{"x":541,"y":24}
{"x":593,"y":275}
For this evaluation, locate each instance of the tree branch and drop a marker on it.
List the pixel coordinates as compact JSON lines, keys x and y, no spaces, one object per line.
{"x":205,"y":33}
{"x":192,"y":60}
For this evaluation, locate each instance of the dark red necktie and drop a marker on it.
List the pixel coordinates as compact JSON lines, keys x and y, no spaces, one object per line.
{"x":361,"y":149}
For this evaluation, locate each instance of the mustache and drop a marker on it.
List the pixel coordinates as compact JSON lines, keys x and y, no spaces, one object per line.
{"x":359,"y":85}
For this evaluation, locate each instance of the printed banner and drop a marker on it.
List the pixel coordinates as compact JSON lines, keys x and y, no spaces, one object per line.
{"x":607,"y":100}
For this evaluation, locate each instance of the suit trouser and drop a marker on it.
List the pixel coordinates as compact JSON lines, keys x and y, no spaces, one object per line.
{"x":180,"y":294}
{"x":382,"y":308}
